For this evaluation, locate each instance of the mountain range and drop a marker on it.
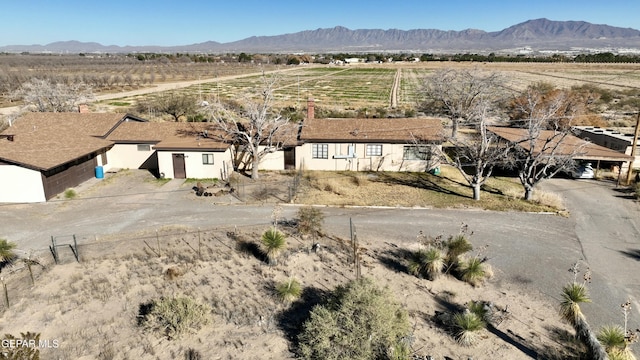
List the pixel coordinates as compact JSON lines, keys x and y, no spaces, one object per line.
{"x":537,"y":35}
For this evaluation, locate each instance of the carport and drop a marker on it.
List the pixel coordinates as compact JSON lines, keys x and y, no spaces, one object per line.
{"x":581,"y":150}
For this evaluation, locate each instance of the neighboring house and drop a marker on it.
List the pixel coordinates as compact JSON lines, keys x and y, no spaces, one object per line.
{"x":600,"y":156}
{"x":43,"y":154}
{"x":611,"y":139}
{"x":367,"y":144}
{"x":171,"y":150}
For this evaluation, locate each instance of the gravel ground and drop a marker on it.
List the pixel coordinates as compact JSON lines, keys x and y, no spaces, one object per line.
{"x":530,"y":250}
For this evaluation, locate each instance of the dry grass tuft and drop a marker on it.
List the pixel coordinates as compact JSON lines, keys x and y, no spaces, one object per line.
{"x":173,"y":273}
{"x":548,"y":199}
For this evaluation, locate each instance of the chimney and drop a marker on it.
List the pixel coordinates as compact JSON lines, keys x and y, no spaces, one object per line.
{"x":83,"y":109}
{"x":310,"y":109}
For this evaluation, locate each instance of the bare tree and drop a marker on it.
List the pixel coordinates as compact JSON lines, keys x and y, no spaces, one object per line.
{"x":456,"y":93}
{"x":545,"y":146}
{"x":254,"y":127}
{"x":40,"y":95}
{"x":475,"y":155}
{"x":176,"y":105}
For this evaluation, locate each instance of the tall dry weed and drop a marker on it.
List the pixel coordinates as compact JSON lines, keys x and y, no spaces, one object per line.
{"x":548,"y":199}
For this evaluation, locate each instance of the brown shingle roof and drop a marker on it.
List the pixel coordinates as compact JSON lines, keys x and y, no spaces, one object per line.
{"x":170,"y":135}
{"x":372,"y":130}
{"x":43,"y":141}
{"x":590,"y":151}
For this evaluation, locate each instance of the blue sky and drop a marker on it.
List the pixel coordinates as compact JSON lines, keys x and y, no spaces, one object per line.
{"x":170,"y":22}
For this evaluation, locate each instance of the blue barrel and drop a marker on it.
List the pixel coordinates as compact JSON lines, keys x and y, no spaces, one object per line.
{"x":99,"y":172}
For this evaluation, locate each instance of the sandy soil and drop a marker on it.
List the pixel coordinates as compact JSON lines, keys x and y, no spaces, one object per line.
{"x":90,"y":308}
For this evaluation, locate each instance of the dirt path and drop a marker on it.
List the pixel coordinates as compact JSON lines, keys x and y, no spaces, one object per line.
{"x":394,"y":89}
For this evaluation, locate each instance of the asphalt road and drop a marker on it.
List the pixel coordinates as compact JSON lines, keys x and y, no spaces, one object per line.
{"x":532,"y":251}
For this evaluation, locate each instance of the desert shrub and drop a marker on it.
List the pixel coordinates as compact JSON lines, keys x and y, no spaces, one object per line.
{"x":359,"y":321}
{"x":21,"y":352}
{"x":192,"y":354}
{"x":289,"y":291}
{"x":474,"y":271}
{"x":70,"y":194}
{"x":273,"y":243}
{"x":174,"y":317}
{"x":427,"y":263}
{"x":467,"y":326}
{"x":359,"y":180}
{"x":310,"y":220}
{"x":172,"y":273}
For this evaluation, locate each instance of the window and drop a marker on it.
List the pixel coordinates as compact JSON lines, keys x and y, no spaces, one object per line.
{"x":374,"y":149}
{"x":320,"y":151}
{"x":207,"y":159}
{"x":144,"y":147}
{"x":416,"y":153}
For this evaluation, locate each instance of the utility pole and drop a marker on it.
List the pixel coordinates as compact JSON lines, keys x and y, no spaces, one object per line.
{"x":633,"y":149}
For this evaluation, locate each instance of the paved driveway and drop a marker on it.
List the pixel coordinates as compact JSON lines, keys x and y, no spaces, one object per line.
{"x":607,"y":224}
{"x":533,"y":251}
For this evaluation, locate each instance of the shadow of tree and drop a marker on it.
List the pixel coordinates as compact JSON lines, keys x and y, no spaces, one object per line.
{"x":514,"y":340}
{"x":395,"y":259}
{"x":632,"y":253}
{"x":421,"y":181}
{"x":291,"y":320}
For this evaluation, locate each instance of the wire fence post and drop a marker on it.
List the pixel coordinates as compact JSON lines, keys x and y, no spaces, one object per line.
{"x":54,"y":250}
{"x":354,"y":248}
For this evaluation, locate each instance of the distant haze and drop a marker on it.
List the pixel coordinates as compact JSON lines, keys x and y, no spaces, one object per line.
{"x":539,"y":34}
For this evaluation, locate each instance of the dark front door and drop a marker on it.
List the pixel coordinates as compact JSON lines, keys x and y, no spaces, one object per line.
{"x":179,"y":171}
{"x":289,"y":158}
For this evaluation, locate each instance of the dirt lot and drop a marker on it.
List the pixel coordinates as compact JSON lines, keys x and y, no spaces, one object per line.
{"x":132,"y":228}
{"x":90,"y":308}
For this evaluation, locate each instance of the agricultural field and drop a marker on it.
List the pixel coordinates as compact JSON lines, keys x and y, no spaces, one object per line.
{"x":366,"y":90}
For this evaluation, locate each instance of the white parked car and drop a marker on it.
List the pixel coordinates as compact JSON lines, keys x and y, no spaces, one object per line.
{"x":583,"y":171}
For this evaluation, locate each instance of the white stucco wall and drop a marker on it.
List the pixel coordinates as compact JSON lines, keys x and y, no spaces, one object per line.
{"x":194,"y":167}
{"x":391,"y":159}
{"x":127,"y":156}
{"x":273,"y":161}
{"x":18,"y":184}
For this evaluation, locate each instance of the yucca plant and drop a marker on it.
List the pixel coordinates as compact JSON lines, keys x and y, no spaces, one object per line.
{"x":427,"y":262}
{"x":467,"y":325}
{"x":456,"y":246}
{"x":289,"y":291}
{"x":573,"y":295}
{"x":478,"y":308}
{"x":273,"y":242}
{"x":474,"y":271}
{"x":612,"y":338}
{"x":7,"y":253}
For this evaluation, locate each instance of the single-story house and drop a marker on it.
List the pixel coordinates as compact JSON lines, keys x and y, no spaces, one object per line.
{"x":43,"y":154}
{"x":171,"y":150}
{"x":358,"y":144}
{"x":588,"y":151}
